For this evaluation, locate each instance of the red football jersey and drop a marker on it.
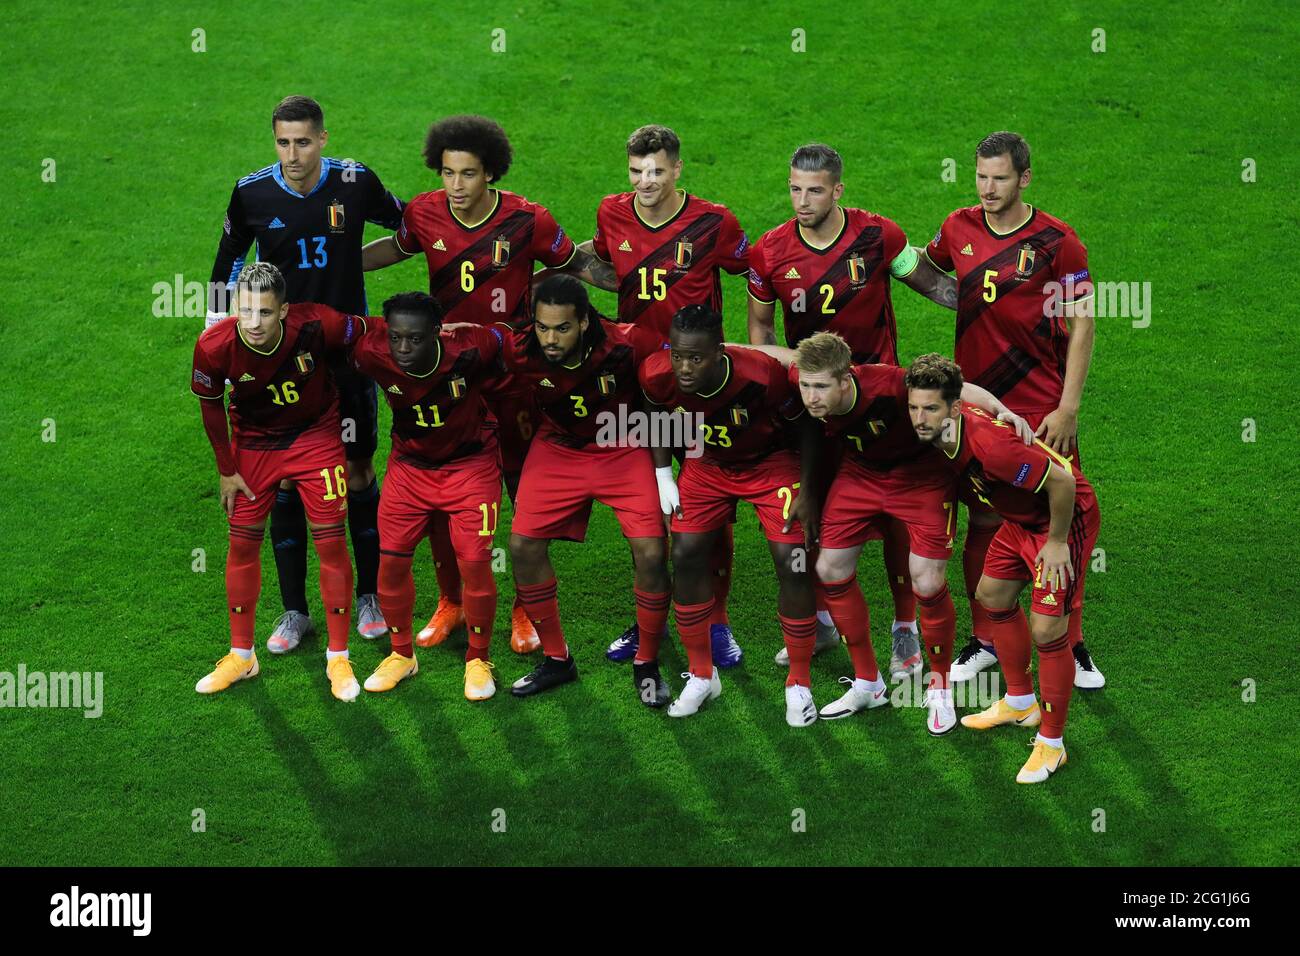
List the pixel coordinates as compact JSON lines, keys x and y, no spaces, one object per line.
{"x":572,"y":397}
{"x":877,"y":429}
{"x":483,"y":273}
{"x":746,"y":418}
{"x":277,"y":395}
{"x":842,"y":288}
{"x":1008,"y":475}
{"x":664,"y":268}
{"x":439,"y":416}
{"x":1007,"y":340}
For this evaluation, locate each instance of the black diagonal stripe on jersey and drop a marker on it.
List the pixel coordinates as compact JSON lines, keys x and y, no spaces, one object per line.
{"x":1006,"y":373}
{"x":701,"y":233}
{"x":868,"y":244}
{"x":444,"y":285}
{"x":970,"y":291}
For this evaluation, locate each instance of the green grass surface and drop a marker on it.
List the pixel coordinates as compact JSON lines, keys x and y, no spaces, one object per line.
{"x":1140,"y":148}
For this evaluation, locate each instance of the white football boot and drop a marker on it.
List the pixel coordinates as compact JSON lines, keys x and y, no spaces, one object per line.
{"x":289,"y":631}
{"x":940,"y":715}
{"x":695,"y":694}
{"x":972,"y":659}
{"x":1086,"y":674}
{"x":800,"y":710}
{"x":859,"y":697}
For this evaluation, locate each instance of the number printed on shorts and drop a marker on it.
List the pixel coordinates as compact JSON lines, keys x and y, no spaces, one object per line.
{"x":787,"y":498}
{"x":340,"y":489}
{"x":287,"y":394}
{"x":487,"y":530}
{"x":950,"y":507}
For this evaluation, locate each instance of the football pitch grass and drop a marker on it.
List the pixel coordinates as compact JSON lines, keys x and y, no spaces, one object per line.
{"x":1186,"y":757}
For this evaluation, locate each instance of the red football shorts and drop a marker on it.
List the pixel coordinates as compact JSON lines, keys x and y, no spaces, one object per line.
{"x":709,"y":493}
{"x":1012,"y":555}
{"x":517,"y":417}
{"x":862,"y":501}
{"x":560,"y":483}
{"x":314,"y":463}
{"x":468,"y":490}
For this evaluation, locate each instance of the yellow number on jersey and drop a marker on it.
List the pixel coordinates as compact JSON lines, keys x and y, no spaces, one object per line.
{"x":990,"y":287}
{"x":655,"y":288}
{"x":579,"y":407}
{"x":437,"y":417}
{"x":467,"y":276}
{"x":287,"y":394}
{"x":716,"y":435}
{"x":829,"y":292}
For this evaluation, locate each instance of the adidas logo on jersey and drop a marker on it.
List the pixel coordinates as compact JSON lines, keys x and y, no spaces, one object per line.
{"x":546,"y":382}
{"x":966,"y":250}
{"x":394,"y":390}
{"x":439,"y":246}
{"x":247,"y":378}
{"x":275,"y":224}
{"x":793,"y":274}
{"x":624,"y":246}
{"x":1049,"y":601}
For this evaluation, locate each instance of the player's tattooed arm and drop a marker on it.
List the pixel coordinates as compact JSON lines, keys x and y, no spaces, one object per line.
{"x":973,"y":394}
{"x":588,"y":267}
{"x":762,"y":322}
{"x":380,"y":254}
{"x":937,"y":286}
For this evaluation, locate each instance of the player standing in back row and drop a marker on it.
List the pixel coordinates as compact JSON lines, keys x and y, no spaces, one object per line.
{"x":1024,"y":332}
{"x":307,"y":214}
{"x":830,"y":268}
{"x":667,"y":248}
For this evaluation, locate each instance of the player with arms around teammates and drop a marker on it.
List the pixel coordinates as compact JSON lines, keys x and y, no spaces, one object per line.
{"x":1027,"y":342}
{"x":830,"y":268}
{"x":307,"y":215}
{"x":482,"y":244}
{"x":1050,"y":521}
{"x":284,"y":426}
{"x":668,"y":248}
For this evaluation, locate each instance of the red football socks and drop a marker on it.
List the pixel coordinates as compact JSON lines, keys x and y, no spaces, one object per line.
{"x":799,"y":633}
{"x":243,"y":582}
{"x":651,"y":619}
{"x":693,"y":627}
{"x":335,"y":583}
{"x":939,"y":628}
{"x":1055,"y":683}
{"x":397,"y":598}
{"x":898,"y":545}
{"x":444,"y":559}
{"x":1010,"y":631}
{"x":543,"y":609}
{"x":848,"y":609}
{"x":480,"y":598}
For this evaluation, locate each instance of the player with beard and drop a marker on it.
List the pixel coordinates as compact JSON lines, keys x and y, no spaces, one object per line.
{"x":830,"y":268}
{"x":1024,"y":331}
{"x":1050,"y":521}
{"x":584,"y":369}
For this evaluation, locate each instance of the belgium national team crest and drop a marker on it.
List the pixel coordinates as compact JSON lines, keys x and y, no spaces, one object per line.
{"x":500,"y":252}
{"x":1025,"y":262}
{"x":607,"y":384}
{"x":857,"y":270}
{"x":305,"y":362}
{"x":457,"y":387}
{"x":682,"y":254}
{"x":335,"y":215}
{"x":739,"y":416}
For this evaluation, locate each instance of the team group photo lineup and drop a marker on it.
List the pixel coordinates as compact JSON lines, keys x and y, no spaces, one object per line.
{"x":500,"y":373}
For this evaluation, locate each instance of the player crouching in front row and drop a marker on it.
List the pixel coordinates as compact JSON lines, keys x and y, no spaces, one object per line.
{"x":751,"y":421}
{"x":1050,"y":523}
{"x":445,"y":462}
{"x":284,"y":418}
